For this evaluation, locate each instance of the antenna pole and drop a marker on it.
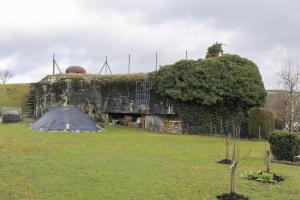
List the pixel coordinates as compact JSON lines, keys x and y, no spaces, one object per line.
{"x":186,"y":54}
{"x":53,"y":64}
{"x":129,"y":64}
{"x":105,"y":67}
{"x":156,"y":60}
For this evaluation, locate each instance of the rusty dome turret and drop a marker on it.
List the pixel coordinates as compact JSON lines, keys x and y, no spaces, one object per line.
{"x":75,"y":70}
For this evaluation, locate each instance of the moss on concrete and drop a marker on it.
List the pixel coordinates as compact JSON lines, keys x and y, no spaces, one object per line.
{"x":88,"y":78}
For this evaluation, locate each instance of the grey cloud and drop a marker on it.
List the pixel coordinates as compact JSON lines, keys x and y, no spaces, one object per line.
{"x":251,"y":28}
{"x":266,"y":20}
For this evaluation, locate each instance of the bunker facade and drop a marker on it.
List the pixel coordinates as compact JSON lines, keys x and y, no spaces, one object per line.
{"x":124,"y":99}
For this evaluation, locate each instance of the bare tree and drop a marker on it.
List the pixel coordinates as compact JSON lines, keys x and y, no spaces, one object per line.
{"x":235,"y":158}
{"x":289,"y":77}
{"x":267,"y":160}
{"x":281,"y":107}
{"x":235,"y":153}
{"x":5,"y":75}
{"x":227,"y":140}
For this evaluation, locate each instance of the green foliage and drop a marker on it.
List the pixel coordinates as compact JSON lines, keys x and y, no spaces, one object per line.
{"x":88,"y":78}
{"x":228,"y":80}
{"x":214,"y":50}
{"x":173,"y":80}
{"x":260,"y":176}
{"x":260,"y":119}
{"x":284,"y":144}
{"x":265,"y":177}
{"x":250,"y":175}
{"x":197,"y":118}
{"x":221,"y":86}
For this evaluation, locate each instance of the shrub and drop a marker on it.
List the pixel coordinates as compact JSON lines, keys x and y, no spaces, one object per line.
{"x":250,"y":175}
{"x":263,"y":119}
{"x":284,"y":145}
{"x":265,"y":177}
{"x":221,"y":86}
{"x":225,"y":81}
{"x":214,"y":50}
{"x":260,"y":176}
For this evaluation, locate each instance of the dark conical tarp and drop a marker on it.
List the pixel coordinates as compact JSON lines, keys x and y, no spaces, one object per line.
{"x":62,"y":118}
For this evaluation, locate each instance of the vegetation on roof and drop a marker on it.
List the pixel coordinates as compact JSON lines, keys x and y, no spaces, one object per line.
{"x":227,"y":80}
{"x":95,"y":77}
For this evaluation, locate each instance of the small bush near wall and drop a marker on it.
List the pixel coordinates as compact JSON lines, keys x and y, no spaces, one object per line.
{"x":260,"y":120}
{"x":284,"y":144}
{"x":279,"y":124}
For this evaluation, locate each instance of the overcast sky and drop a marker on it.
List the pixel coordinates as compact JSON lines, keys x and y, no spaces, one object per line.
{"x":83,"y":32}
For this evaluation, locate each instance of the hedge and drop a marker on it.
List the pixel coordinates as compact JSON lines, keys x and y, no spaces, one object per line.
{"x":263,"y":119}
{"x":284,"y":144}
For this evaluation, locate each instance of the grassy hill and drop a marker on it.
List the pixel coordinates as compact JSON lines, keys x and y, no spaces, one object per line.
{"x":14,"y":95}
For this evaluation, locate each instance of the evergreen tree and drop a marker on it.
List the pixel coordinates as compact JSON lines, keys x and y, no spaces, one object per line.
{"x":214,"y":50}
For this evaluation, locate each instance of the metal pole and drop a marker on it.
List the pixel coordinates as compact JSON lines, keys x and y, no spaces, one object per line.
{"x":187,"y":128}
{"x":186,"y":54}
{"x":129,"y":64}
{"x":53,"y":63}
{"x":156,"y":61}
{"x":106,"y":65}
{"x":259,"y":133}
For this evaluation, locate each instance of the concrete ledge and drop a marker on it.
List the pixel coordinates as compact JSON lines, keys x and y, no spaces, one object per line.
{"x":285,"y":162}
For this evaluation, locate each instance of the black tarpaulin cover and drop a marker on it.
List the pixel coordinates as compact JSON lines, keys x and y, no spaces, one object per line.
{"x":65,"y":118}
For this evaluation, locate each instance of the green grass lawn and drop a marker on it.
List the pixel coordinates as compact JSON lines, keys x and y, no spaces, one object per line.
{"x":13,"y":95}
{"x":125,"y":163}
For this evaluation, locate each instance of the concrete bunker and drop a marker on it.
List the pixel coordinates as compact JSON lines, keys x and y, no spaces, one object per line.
{"x":127,"y":100}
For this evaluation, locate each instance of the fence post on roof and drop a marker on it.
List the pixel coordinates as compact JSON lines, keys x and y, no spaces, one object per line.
{"x":53,"y":64}
{"x":129,"y":63}
{"x":156,"y":60}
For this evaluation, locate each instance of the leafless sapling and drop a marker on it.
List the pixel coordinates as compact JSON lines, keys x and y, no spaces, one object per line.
{"x":289,"y":77}
{"x":267,"y":159}
{"x":227,"y":140}
{"x":235,"y":153}
{"x":5,"y":75}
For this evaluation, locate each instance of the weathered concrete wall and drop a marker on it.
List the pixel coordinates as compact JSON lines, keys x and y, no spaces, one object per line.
{"x":96,"y":94}
{"x":154,"y":122}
